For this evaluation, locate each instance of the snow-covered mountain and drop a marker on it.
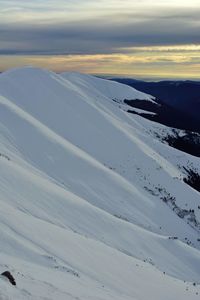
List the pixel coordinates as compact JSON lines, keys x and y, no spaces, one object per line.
{"x":93,"y":204}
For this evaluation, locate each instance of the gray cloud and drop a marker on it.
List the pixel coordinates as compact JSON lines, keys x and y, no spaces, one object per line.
{"x":102,"y":34}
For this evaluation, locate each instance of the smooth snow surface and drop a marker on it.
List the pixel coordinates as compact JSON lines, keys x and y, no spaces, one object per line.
{"x":81,"y":189}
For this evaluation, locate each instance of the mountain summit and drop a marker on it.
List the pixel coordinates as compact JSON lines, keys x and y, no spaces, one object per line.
{"x":94,"y":202}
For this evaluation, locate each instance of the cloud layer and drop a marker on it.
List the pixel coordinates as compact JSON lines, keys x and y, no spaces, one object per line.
{"x":82,"y":27}
{"x":112,"y":27}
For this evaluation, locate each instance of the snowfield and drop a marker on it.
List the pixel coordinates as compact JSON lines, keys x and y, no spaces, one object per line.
{"x":92,"y":204}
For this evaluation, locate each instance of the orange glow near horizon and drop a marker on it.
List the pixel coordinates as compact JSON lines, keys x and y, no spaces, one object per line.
{"x":156,"y":61}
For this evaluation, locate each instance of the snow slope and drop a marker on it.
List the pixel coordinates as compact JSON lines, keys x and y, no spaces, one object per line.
{"x":82,"y":182}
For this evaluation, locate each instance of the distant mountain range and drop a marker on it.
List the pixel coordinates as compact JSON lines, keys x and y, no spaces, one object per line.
{"x":181,"y":99}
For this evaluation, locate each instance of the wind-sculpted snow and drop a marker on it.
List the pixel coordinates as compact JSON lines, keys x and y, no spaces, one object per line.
{"x":90,"y":199}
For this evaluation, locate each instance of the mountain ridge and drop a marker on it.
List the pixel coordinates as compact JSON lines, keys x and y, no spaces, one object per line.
{"x":86,"y":193}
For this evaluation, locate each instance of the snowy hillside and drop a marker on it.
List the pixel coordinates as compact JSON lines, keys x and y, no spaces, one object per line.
{"x":93,"y":205}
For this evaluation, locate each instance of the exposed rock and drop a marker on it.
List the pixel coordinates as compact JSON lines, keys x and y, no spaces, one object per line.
{"x":8,"y":275}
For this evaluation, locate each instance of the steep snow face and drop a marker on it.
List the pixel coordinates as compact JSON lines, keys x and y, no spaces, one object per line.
{"x":104,"y":87}
{"x":91,"y":203}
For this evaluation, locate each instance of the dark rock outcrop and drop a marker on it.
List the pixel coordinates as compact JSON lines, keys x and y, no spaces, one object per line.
{"x":9,"y":276}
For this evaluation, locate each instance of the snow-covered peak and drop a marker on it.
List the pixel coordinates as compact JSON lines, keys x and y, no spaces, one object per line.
{"x":110,"y":89}
{"x":113,"y":90}
{"x":92,"y":204}
{"x":32,"y":81}
{"x":25,"y":71}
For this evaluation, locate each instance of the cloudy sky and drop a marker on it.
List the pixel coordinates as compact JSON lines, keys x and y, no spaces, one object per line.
{"x":138,"y":38}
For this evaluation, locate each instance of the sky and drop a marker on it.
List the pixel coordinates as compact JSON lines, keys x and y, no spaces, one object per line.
{"x":134,"y":38}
